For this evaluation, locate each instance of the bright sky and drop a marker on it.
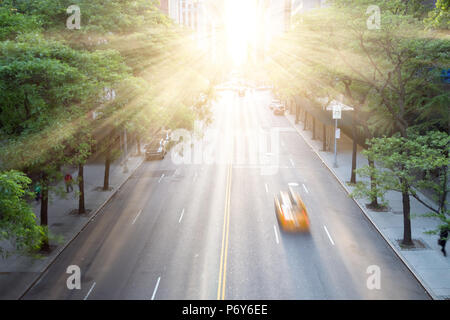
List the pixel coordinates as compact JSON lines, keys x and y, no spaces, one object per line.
{"x":241,"y":27}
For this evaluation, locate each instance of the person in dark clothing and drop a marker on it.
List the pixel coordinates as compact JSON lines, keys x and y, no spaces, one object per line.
{"x":443,"y":236}
{"x":68,"y":180}
{"x":37,"y":191}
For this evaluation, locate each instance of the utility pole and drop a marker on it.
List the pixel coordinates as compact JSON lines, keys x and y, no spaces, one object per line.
{"x":337,"y":112}
{"x":335,"y":144}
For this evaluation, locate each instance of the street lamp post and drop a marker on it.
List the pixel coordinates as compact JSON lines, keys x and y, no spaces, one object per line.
{"x":335,"y":142}
{"x":337,"y":114}
{"x":337,"y":108}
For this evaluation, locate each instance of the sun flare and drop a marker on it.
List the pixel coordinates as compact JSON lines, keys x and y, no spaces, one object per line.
{"x":241,"y":29}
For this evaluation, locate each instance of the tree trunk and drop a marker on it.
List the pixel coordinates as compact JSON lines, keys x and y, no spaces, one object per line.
{"x":373,"y":185}
{"x":306,"y":119}
{"x":81,"y":208}
{"x":297,"y":113}
{"x":107,"y":166}
{"x":314,"y":128}
{"x":354,"y":149}
{"x":324,"y":143}
{"x":44,"y":211}
{"x":138,"y":143}
{"x":407,"y":239}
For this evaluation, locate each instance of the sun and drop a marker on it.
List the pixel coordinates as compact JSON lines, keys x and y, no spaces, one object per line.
{"x":241,"y":29}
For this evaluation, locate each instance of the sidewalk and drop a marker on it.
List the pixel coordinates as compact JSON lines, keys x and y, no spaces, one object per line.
{"x":428,"y":264}
{"x":17,"y":273}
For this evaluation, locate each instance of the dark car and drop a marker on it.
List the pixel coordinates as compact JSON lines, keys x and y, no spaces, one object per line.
{"x":155,"y":150}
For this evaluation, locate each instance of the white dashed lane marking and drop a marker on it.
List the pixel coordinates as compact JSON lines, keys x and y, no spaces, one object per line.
{"x":304,"y":187}
{"x":276,"y":234}
{"x":328,"y":234}
{"x":181,"y":216}
{"x":137,"y":216}
{"x":89,"y":292}
{"x":156,"y":288}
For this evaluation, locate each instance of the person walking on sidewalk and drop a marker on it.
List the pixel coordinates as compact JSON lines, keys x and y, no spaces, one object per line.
{"x":443,"y":236}
{"x":37,"y":191}
{"x":68,"y":180}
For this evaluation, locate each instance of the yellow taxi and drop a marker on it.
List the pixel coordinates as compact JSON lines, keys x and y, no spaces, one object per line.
{"x":291,"y":211}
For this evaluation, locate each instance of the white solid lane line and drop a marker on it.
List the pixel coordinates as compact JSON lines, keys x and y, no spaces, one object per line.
{"x":89,"y":292}
{"x":156,"y":288}
{"x":195,"y":176}
{"x":267,"y":188}
{"x":292,"y":162}
{"x":328,"y":234}
{"x":162,"y":176}
{"x":181,"y":217}
{"x":137,"y":216}
{"x":276,"y":234}
{"x":304,"y":187}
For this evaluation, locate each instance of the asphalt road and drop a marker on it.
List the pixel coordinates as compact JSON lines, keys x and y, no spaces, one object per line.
{"x":206,"y":228}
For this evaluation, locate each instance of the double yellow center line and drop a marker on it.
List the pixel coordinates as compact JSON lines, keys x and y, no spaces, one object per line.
{"x":225,"y":232}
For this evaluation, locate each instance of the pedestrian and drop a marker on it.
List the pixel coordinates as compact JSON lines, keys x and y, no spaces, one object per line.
{"x":68,"y":180}
{"x":37,"y":191}
{"x":443,"y":237}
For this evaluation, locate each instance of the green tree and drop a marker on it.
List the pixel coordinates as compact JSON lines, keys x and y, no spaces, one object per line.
{"x":13,"y":23}
{"x":399,"y":161}
{"x":439,"y":17}
{"x":48,"y":89}
{"x":17,"y":220}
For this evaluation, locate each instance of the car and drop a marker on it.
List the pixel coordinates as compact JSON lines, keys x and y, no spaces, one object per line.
{"x":155,"y":150}
{"x":291,"y":211}
{"x":279,"y":110}
{"x":274,"y":104}
{"x":241,"y":92}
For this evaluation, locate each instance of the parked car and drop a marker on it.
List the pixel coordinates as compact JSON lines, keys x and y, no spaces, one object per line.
{"x":279,"y":111}
{"x":155,"y":150}
{"x":275,"y":103}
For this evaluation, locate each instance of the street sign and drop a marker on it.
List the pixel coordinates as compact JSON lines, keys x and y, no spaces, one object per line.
{"x":337,"y":111}
{"x":336,"y":104}
{"x":337,"y":107}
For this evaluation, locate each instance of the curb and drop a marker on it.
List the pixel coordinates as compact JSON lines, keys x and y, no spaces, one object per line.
{"x":94,"y":215}
{"x":366,"y":214}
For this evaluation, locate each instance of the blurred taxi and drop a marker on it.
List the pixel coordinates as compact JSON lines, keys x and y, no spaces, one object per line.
{"x":291,"y":211}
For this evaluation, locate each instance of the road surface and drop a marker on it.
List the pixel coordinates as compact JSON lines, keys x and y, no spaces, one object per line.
{"x":206,"y":229}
